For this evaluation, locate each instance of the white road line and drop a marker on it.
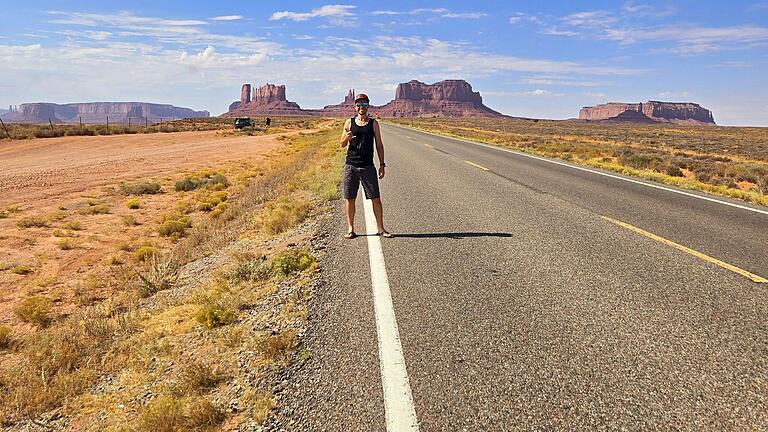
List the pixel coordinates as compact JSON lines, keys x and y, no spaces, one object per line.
{"x":398,"y":402}
{"x":595,"y":172}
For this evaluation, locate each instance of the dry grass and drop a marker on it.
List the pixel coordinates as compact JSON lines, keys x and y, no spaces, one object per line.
{"x":35,"y":310}
{"x":5,"y":336}
{"x":37,"y":221}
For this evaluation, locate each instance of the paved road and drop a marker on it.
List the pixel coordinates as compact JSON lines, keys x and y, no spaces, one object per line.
{"x":520,"y":307}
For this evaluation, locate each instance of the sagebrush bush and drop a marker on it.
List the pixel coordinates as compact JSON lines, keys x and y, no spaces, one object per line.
{"x":191,"y":183}
{"x":133,"y":203}
{"x":167,"y":413}
{"x":212,"y":316}
{"x":173,"y":225}
{"x":279,"y":347}
{"x":162,"y":274}
{"x":73,"y":225}
{"x":21,"y":269}
{"x":292,"y":261}
{"x":198,"y":377}
{"x":35,"y":309}
{"x":141,"y":188}
{"x":5,"y":336}
{"x":129,"y":220}
{"x":37,"y":221}
{"x":94,"y":208}
{"x":66,"y":243}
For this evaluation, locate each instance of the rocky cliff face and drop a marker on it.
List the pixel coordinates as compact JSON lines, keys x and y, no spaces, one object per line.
{"x":245,"y":94}
{"x":97,"y":112}
{"x":267,"y":100}
{"x":657,"y":111}
{"x":449,"y":98}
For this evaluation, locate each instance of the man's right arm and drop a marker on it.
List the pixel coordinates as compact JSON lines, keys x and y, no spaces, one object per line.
{"x":346,"y":134}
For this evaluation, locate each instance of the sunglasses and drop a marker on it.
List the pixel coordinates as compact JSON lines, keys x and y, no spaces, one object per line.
{"x":362,"y":104}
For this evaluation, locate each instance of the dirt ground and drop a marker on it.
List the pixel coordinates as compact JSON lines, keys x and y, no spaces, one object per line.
{"x":57,"y":177}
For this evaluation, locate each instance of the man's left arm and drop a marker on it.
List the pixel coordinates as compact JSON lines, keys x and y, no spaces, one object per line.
{"x":379,"y":148}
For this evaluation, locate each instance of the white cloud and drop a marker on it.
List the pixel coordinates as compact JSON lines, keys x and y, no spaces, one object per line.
{"x":465,"y":15}
{"x":599,"y":18}
{"x":552,"y":31}
{"x":519,"y":17}
{"x":537,"y":93}
{"x":594,"y":95}
{"x":325,"y":11}
{"x":227,"y":18}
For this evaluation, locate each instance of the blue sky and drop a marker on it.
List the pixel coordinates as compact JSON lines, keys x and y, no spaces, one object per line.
{"x":533,"y":59}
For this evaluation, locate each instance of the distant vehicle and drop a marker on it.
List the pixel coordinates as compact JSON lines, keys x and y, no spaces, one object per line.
{"x":243,"y":122}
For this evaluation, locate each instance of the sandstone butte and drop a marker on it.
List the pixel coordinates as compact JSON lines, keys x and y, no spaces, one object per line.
{"x":449,"y":98}
{"x":97,"y":112}
{"x":651,"y":111}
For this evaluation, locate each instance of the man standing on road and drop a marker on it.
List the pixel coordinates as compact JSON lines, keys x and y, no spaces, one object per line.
{"x":360,"y":132}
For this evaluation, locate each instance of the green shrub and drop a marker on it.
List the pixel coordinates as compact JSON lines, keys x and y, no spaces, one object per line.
{"x":32,"y":222}
{"x":174,"y":225}
{"x":253,"y":270}
{"x":210,"y":181}
{"x":211,"y":316}
{"x":292,"y":261}
{"x":144,"y":253}
{"x":35,"y":309}
{"x":284,"y":213}
{"x":133,"y":203}
{"x":141,"y":188}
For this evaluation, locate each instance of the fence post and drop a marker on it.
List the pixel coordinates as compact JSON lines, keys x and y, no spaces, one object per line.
{"x":129,"y":124}
{"x":107,"y":124}
{"x":51,"y":123}
{"x":4,"y":128}
{"x":146,"y":121}
{"x":81,"y":124}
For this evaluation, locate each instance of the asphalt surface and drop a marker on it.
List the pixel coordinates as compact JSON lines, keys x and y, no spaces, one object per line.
{"x":520,"y":308}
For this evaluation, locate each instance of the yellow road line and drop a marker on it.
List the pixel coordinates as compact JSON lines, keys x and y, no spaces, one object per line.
{"x":428,"y":145}
{"x":477,"y":166}
{"x":751,"y":276}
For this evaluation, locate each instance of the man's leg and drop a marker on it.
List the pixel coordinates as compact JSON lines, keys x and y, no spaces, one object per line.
{"x":379,"y":213}
{"x":349,"y":205}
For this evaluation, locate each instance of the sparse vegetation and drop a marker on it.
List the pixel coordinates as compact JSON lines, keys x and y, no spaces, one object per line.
{"x":36,"y":310}
{"x":93,"y":208}
{"x":105,"y":331}
{"x":129,"y":220}
{"x":284,"y":213}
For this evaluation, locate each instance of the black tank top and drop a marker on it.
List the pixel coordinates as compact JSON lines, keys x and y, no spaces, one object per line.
{"x":360,"y":148}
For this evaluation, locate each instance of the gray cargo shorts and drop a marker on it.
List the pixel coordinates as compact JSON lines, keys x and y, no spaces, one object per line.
{"x":351,"y":178}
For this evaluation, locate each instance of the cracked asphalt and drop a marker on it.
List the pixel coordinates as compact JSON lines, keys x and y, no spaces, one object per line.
{"x":520,"y":308}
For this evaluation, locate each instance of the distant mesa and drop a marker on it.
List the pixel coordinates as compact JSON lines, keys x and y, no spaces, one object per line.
{"x":268,"y":99}
{"x":685,"y":113}
{"x":97,"y":112}
{"x":449,"y":98}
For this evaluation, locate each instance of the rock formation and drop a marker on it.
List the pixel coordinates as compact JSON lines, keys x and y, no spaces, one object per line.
{"x":449,"y":98}
{"x":344,"y":109}
{"x":97,"y":112}
{"x":666,"y":112}
{"x":268,"y":99}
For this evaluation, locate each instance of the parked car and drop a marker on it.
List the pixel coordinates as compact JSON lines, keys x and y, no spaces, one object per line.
{"x":242,"y":122}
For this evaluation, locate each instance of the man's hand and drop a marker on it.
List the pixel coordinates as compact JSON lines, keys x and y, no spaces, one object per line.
{"x":381,"y":173}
